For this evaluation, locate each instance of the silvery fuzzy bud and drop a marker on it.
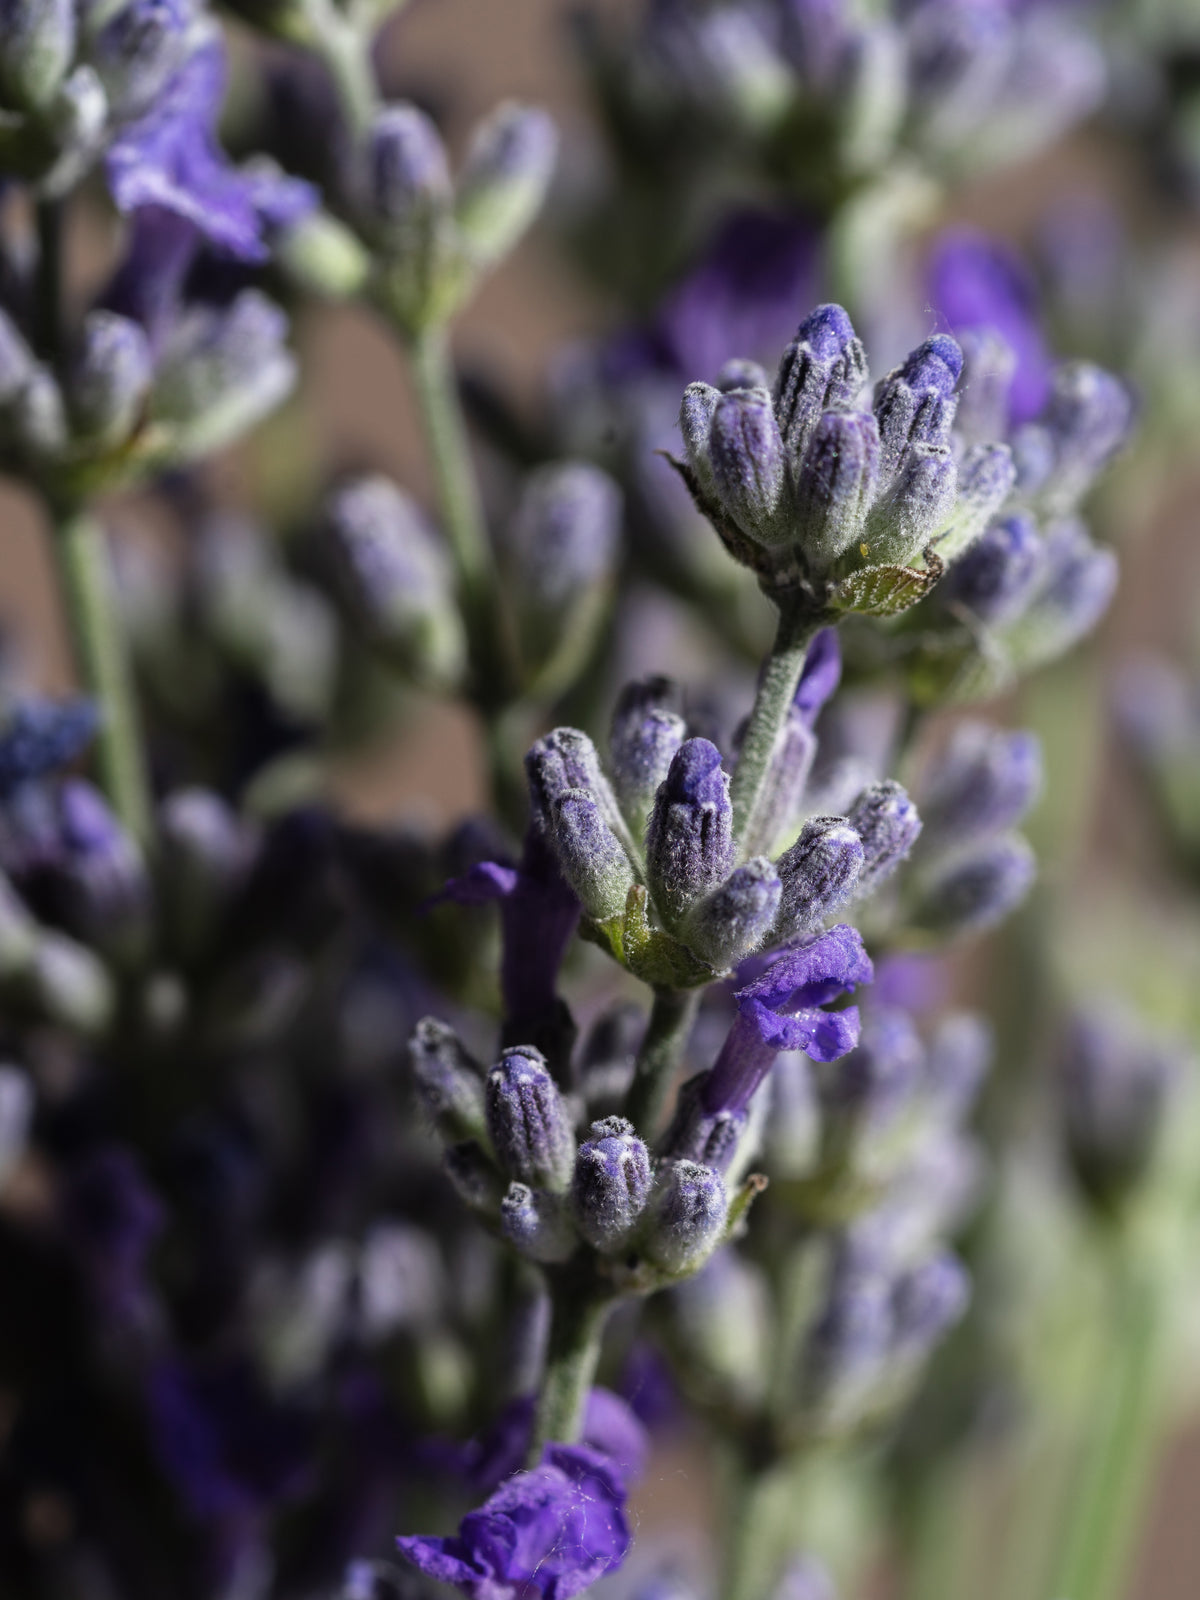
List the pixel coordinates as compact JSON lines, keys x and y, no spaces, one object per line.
{"x":926,"y":1303}
{"x":977,"y":887}
{"x":18,"y":933}
{"x":109,"y":379}
{"x":824,"y":368}
{"x":792,"y":1126}
{"x":1085,"y":424}
{"x":567,"y":759}
{"x":989,"y":366}
{"x":834,"y":485}
{"x":984,"y":782}
{"x":404,"y":177}
{"x":401,"y":1280}
{"x":689,"y":838}
{"x":504,"y":178}
{"x":38,"y":417}
{"x":748,"y":467}
{"x":16,"y":360}
{"x":781,"y":798}
{"x":984,"y":479}
{"x":735,"y":918}
{"x":738,"y":373}
{"x":592,"y":858}
{"x":395,"y":576}
{"x":71,"y":986}
{"x":611,"y":1185}
{"x":135,"y":46}
{"x":1000,"y":572}
{"x":37,"y":45}
{"x":16,"y":1116}
{"x":448,"y":1082}
{"x":915,"y":403}
{"x":848,"y":1344}
{"x":76,"y":119}
{"x":696,"y":412}
{"x":206,"y":853}
{"x":223,"y":369}
{"x":819,"y":873}
{"x":102,"y":873}
{"x":647,"y":729}
{"x":920,"y":504}
{"x":565,"y":539}
{"x":528,"y":1122}
{"x":722,"y":1319}
{"x":1116,"y":1085}
{"x":474,"y":1177}
{"x":712,"y":1138}
{"x":685,"y":1217}
{"x":1076,"y":583}
{"x":957,"y":1061}
{"x":537,"y":1224}
{"x":872,"y":1086}
{"x":887,"y":825}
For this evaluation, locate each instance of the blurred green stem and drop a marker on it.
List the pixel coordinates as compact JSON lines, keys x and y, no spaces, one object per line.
{"x":578,"y":1311}
{"x":104,"y":667}
{"x":345,"y":47}
{"x":666,"y":1037}
{"x":1119,"y":1451}
{"x":776,"y":687}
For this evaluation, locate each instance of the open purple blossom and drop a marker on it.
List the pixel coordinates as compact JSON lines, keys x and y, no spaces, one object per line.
{"x":550,"y":1531}
{"x":169,"y":158}
{"x":784,"y":1009}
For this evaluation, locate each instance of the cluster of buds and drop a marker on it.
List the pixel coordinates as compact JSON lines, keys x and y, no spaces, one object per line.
{"x":511,"y":1151}
{"x":650,"y":850}
{"x":432,"y":237}
{"x":820,"y":493}
{"x":1035,"y":583}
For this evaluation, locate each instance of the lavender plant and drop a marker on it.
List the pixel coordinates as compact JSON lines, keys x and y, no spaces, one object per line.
{"x":339,"y":1162}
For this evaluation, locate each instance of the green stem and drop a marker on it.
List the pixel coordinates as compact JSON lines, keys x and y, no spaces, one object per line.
{"x":1104,"y":1515}
{"x":103,"y":665}
{"x":667,"y":1032}
{"x":776,"y":688}
{"x":346,"y":52}
{"x":578,"y":1310}
{"x":462,"y":513}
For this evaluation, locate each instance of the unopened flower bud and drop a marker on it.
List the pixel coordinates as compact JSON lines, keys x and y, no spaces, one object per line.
{"x":997,"y":576}
{"x":71,"y":986}
{"x":957,"y":1062}
{"x":736,"y":917}
{"x":747,"y":459}
{"x":1076,"y":583}
{"x":686,"y":1217}
{"x":537,"y":1223}
{"x":926,"y":1303}
{"x":848,"y":1343}
{"x":1086,"y":422}
{"x":448,"y":1082}
{"x":835,"y":485}
{"x":868,"y":1089}
{"x":37,"y":43}
{"x":696,"y":411}
{"x":107,"y":892}
{"x":566,"y":759}
{"x":989,"y":366}
{"x":722,"y":1318}
{"x":18,"y":934}
{"x":206,"y":854}
{"x":110,"y":378}
{"x":887,"y":825}
{"x":474,"y":1177}
{"x":689,"y":838}
{"x":985,"y":477}
{"x":16,"y":360}
{"x":823,"y":369}
{"x":565,"y":538}
{"x":395,"y":577}
{"x":504,"y":178}
{"x":711,"y":1138}
{"x":223,"y":369}
{"x":611,"y":1185}
{"x":38,"y":417}
{"x":528,"y":1122}
{"x":915,"y":403}
{"x":405,"y":172}
{"x":134,"y":47}
{"x":647,"y":730}
{"x":592,"y":858}
{"x":977,"y":887}
{"x":739,"y":373}
{"x":819,"y":873}
{"x":920,"y":504}
{"x":984,"y":782}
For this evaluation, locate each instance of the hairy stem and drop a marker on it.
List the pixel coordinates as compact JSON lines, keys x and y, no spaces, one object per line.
{"x":462,"y":514}
{"x":776,"y":688}
{"x":666,"y":1037}
{"x":103,"y":664}
{"x":578,"y":1310}
{"x":345,"y":49}
{"x":1104,"y":1513}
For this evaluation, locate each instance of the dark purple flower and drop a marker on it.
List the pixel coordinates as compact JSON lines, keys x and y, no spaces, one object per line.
{"x":39,"y":736}
{"x":610,"y":1428}
{"x":977,"y":282}
{"x":169,"y":158}
{"x":821,"y":675}
{"x":551,"y":1531}
{"x":782,"y":1009}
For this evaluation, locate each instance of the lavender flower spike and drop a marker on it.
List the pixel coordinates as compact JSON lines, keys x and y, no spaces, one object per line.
{"x":549,"y":1532}
{"x":783,"y":1010}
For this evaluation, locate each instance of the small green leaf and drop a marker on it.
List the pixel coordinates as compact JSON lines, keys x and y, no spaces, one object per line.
{"x":882,"y":591}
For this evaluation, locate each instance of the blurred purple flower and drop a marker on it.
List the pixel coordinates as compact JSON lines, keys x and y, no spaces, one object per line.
{"x":978,"y":282}
{"x":551,"y":1532}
